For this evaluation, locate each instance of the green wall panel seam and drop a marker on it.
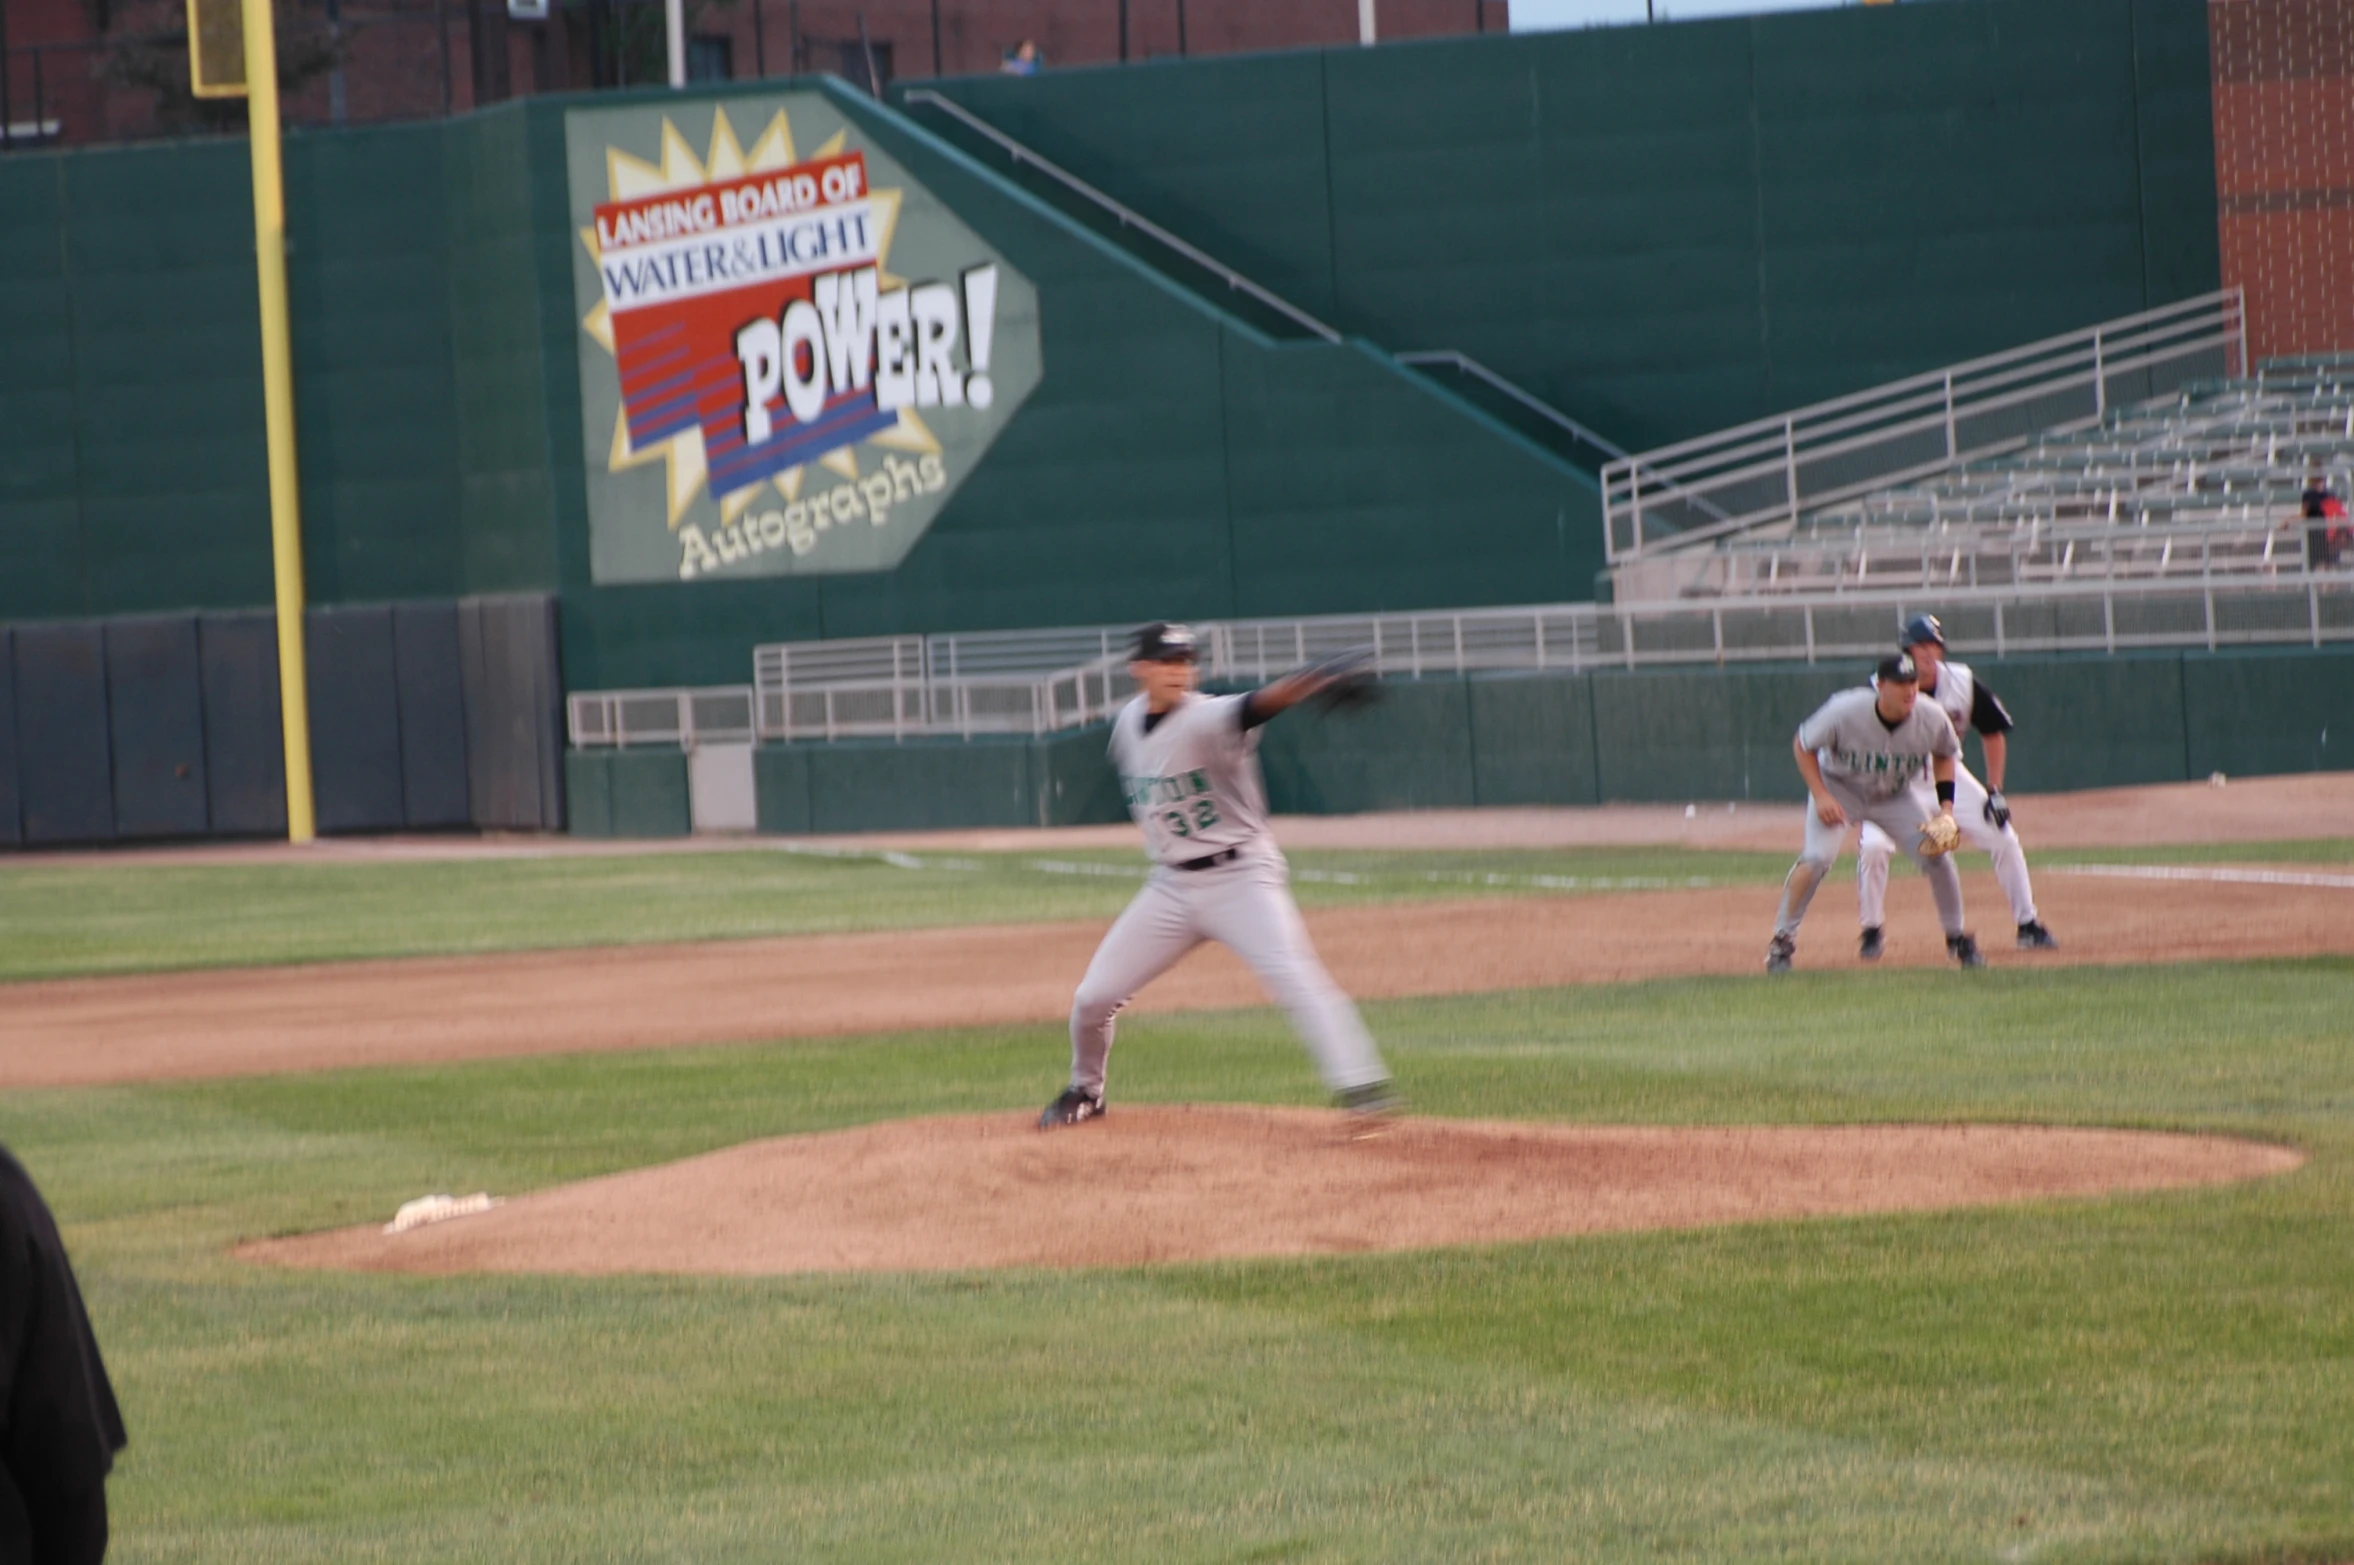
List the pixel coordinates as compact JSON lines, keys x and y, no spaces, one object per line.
{"x":2182,"y":698}
{"x":1331,"y":218}
{"x":1757,"y":217}
{"x":2141,"y":207}
{"x":73,"y":348}
{"x":1226,"y":481}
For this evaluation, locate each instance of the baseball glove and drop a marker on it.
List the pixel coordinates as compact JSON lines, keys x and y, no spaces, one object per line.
{"x":1939,"y":835}
{"x":1345,"y":682}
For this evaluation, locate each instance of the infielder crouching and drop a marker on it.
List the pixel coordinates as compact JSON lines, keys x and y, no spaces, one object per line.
{"x":1189,"y":766}
{"x":1876,"y":754}
{"x":1979,"y":809}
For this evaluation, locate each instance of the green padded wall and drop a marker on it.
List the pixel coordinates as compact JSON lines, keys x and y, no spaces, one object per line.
{"x":1347,"y":493}
{"x":368,"y":285}
{"x":2092,"y":722}
{"x":1075,"y":781}
{"x":132,"y":472}
{"x":166,"y":381}
{"x":1668,"y":736}
{"x":40,"y":481}
{"x":646,"y":792}
{"x":588,"y":790}
{"x":2252,"y":713}
{"x":859,"y":786}
{"x":1661,"y":228}
{"x":502,"y":333}
{"x":780,"y":789}
{"x":1409,"y":751}
{"x":1664,"y":230}
{"x":1234,"y":157}
{"x":1532,"y":739}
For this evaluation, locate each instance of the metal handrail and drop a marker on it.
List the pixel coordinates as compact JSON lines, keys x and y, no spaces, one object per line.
{"x":1468,"y":365}
{"x":621,"y":718}
{"x":1128,"y":218}
{"x":2292,"y":605}
{"x":1900,"y":413}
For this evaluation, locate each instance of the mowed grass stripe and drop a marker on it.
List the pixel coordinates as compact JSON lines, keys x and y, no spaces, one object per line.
{"x":2167,"y":1377}
{"x":60,"y":921}
{"x":57,"y":921}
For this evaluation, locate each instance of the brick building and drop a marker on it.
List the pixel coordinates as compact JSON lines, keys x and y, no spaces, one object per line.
{"x":2284,"y":168}
{"x":83,"y":71}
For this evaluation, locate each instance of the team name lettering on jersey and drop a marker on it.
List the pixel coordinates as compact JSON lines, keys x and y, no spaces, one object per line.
{"x":1192,"y":779}
{"x":1897,"y":768}
{"x":1855,"y":747}
{"x":1145,"y":792}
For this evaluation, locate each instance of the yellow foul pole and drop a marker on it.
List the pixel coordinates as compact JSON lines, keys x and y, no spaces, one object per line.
{"x":269,"y":246}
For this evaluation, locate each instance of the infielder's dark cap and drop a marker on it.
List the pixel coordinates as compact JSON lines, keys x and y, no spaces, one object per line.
{"x":1898,"y":669}
{"x":1920,"y":628}
{"x":1161,"y":642}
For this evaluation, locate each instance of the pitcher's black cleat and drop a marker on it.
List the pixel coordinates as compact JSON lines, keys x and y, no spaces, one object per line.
{"x":2034,"y":937}
{"x":1072,"y":1108}
{"x":1373,"y":1098}
{"x":1779,"y":953}
{"x":1963,"y":948}
{"x":1870,"y":947}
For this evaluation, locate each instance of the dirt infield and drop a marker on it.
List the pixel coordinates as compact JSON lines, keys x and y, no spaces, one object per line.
{"x":1203,"y":1182}
{"x":1208,"y":1181}
{"x":244,"y":1021}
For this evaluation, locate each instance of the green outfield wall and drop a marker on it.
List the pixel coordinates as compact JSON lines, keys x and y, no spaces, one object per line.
{"x":1665,"y":230}
{"x":1676,"y":736}
{"x":1660,"y":228}
{"x":1174,"y":460}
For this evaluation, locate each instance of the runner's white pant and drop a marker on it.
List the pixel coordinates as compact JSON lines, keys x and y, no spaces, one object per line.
{"x":1897,"y":817}
{"x":1873,"y":849}
{"x":1245,"y":906}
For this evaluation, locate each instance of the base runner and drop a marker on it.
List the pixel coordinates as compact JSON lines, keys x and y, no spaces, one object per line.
{"x":1877,"y":754}
{"x":1189,"y":766}
{"x":1981,"y":811}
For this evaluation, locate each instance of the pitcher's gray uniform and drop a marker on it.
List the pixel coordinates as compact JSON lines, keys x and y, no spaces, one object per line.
{"x":1877,"y":774}
{"x":1964,"y":702}
{"x":1191,"y":776}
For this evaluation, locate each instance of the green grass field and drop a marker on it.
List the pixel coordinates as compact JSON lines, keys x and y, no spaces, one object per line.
{"x":2154,"y":1378}
{"x":57,"y":921}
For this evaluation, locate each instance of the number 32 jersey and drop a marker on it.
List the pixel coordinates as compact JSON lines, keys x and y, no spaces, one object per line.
{"x":1191,"y":777}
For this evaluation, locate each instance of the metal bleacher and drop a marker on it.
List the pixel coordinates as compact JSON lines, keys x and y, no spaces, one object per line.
{"x":2020,"y":497}
{"x":2202,"y":481}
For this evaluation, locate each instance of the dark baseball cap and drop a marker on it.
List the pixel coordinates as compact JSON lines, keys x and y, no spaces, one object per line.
{"x":1898,"y":670}
{"x":1920,"y":628}
{"x":1162,"y":642}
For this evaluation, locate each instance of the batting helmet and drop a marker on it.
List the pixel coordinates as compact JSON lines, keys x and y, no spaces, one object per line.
{"x":1920,"y":628}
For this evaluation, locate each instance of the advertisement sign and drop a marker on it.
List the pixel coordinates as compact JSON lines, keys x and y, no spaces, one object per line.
{"x":791,"y":353}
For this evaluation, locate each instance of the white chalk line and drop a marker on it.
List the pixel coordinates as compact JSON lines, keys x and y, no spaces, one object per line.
{"x":2226,"y":877}
{"x":1326,"y":877}
{"x":1338,"y":877}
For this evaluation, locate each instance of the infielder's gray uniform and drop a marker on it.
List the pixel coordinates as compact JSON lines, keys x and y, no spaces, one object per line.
{"x":1964,"y":702}
{"x":1879,"y":775}
{"x":1191,"y":777}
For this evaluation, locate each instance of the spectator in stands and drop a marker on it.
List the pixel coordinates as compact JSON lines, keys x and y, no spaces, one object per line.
{"x":1022,"y":59}
{"x":2328,"y":529}
{"x":59,"y":1426}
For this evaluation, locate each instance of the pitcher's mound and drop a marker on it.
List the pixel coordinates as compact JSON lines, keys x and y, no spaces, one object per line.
{"x":1190,"y":1183}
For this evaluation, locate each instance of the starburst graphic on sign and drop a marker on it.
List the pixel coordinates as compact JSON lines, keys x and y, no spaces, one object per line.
{"x":686,"y":471}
